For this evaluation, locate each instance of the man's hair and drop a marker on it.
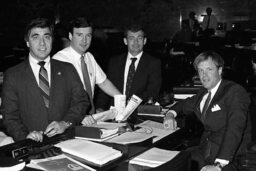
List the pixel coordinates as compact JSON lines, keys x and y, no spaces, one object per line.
{"x":38,"y":23}
{"x":216,"y":58}
{"x":134,"y":28}
{"x":79,"y":22}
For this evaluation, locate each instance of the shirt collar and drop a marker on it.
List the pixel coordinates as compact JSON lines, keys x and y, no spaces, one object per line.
{"x":34,"y":61}
{"x":137,"y":56}
{"x":214,"y":90}
{"x":76,"y":54}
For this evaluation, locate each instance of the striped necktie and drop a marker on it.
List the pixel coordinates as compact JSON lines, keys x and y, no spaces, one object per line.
{"x":130,"y":76}
{"x":44,"y":83}
{"x":87,"y":83}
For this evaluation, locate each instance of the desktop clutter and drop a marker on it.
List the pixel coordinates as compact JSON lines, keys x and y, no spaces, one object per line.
{"x":95,"y":146}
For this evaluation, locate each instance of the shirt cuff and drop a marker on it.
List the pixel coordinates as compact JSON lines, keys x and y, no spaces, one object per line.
{"x":173,"y":112}
{"x":222,"y":162}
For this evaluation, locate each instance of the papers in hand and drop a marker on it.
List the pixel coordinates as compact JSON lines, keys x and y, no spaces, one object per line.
{"x":92,"y":152}
{"x":133,"y":103}
{"x":60,"y":162}
{"x":154,"y":157}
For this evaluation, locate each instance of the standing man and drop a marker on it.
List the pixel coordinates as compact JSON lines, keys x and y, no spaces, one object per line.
{"x":41,"y":95}
{"x":210,"y":23}
{"x":222,"y":107}
{"x":80,"y":35}
{"x":134,"y":72}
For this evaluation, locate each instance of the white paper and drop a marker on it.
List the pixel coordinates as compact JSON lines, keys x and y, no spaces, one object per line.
{"x":154,"y":157}
{"x":158,"y":129}
{"x":106,"y":115}
{"x":90,"y":151}
{"x":133,"y":103}
{"x":130,"y":137}
{"x":120,"y":103}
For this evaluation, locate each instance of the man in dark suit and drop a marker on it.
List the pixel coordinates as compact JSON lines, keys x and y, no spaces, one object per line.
{"x":222,"y":107}
{"x":41,"y":95}
{"x":145,"y":79}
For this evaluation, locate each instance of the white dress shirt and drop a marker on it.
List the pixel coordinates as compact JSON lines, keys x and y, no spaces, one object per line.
{"x":127,"y":65}
{"x":213,"y":22}
{"x":96,"y":74}
{"x":36,"y":68}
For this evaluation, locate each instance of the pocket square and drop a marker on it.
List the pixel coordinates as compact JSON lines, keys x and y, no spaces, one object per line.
{"x":215,"y":108}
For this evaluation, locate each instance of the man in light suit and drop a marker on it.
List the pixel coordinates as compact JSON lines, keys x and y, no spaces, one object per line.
{"x":31,"y":108}
{"x":224,"y":115}
{"x":147,"y":79}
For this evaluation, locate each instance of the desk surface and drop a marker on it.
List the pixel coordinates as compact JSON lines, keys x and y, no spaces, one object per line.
{"x":122,"y":163}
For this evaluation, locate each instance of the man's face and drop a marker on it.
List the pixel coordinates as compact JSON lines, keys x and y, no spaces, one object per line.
{"x":135,"y":42}
{"x":81,"y":39}
{"x":209,"y":74}
{"x":40,"y":43}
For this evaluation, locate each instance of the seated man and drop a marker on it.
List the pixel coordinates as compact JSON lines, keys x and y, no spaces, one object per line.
{"x":222,"y":107}
{"x":41,"y":95}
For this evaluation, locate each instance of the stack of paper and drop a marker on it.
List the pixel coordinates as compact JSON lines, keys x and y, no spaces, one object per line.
{"x":60,"y":162}
{"x":98,"y":154}
{"x":154,"y":157}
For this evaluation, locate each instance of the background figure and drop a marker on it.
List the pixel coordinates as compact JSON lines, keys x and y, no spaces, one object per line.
{"x":182,"y":36}
{"x":210,"y":23}
{"x":222,"y":107}
{"x":193,"y":24}
{"x":41,"y":96}
{"x":134,"y":72}
{"x":80,"y":35}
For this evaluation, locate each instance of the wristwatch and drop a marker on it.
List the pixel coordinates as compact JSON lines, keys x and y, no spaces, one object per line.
{"x":217,"y":164}
{"x":67,"y":124}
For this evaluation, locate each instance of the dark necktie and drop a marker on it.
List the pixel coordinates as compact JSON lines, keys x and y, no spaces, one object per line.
{"x":130,"y":76}
{"x":208,"y":22}
{"x":206,"y":104}
{"x":44,"y":83}
{"x":87,"y":83}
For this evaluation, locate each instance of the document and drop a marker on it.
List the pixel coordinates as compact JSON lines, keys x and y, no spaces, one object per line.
{"x":59,"y":163}
{"x":154,"y":157}
{"x":158,"y":130}
{"x":133,"y":103}
{"x":92,"y":152}
{"x":131,"y":137}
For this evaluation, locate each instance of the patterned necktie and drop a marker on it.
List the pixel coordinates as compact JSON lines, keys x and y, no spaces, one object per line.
{"x":87,"y":83}
{"x":44,"y":83}
{"x":206,"y":104}
{"x":130,"y":76}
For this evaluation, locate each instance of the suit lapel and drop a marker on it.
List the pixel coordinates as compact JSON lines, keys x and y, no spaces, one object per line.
{"x":142,"y":65}
{"x":198,"y":111}
{"x":121,"y":68}
{"x":31,"y":82}
{"x":218,"y":95}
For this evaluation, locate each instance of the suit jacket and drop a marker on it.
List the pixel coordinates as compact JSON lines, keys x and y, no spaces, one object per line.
{"x":23,"y":107}
{"x":146,"y":82}
{"x":226,"y":123}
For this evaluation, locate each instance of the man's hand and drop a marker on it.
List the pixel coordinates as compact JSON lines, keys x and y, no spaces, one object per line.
{"x":36,"y":136}
{"x":55,"y":128}
{"x":210,"y":168}
{"x":169,"y":121}
{"x":88,"y":120}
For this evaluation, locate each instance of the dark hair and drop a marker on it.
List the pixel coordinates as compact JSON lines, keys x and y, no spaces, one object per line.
{"x":78,"y":23}
{"x":38,"y":23}
{"x":134,"y":28}
{"x":217,"y":59}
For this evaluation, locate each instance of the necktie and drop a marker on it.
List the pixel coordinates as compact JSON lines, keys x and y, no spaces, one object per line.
{"x":87,"y":83}
{"x":206,"y":104}
{"x":44,"y":84}
{"x":130,"y":76}
{"x":208,"y":22}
